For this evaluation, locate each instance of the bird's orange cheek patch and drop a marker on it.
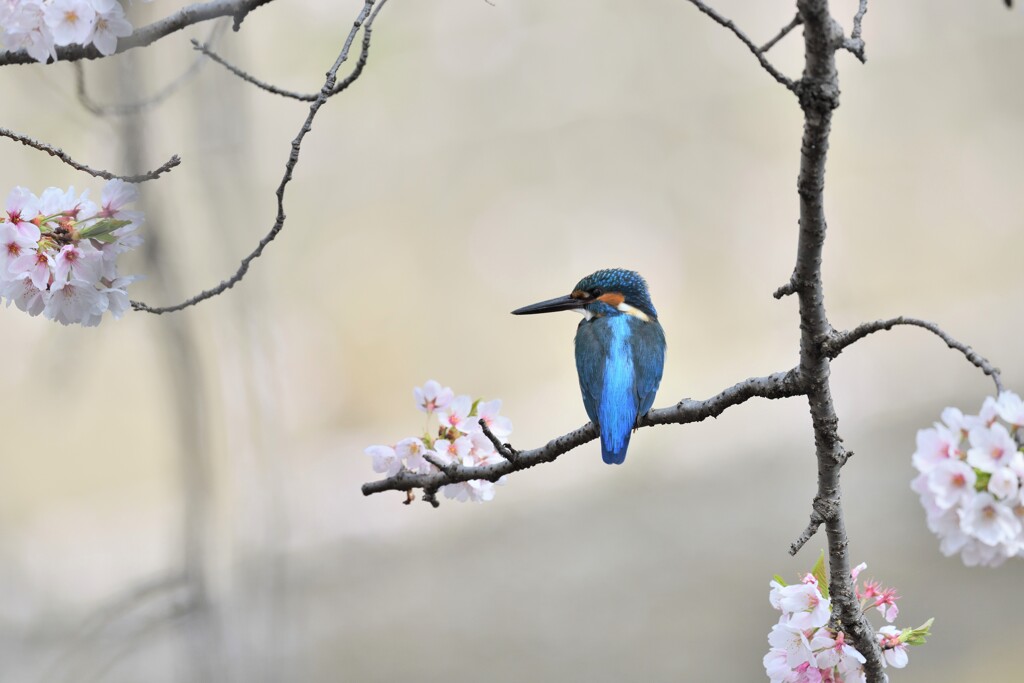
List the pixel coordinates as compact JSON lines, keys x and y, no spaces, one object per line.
{"x":613,"y":299}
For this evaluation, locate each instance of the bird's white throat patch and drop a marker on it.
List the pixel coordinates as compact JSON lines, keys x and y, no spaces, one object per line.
{"x":634,"y":311}
{"x":623,"y":307}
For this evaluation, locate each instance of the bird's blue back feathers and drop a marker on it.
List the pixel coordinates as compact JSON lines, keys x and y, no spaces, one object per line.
{"x":619,"y":359}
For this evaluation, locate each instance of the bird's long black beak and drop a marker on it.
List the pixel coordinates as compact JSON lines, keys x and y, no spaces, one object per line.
{"x":562,"y":303}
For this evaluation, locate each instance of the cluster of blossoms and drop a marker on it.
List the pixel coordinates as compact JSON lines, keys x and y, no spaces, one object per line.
{"x":58,"y":252}
{"x":40,"y":26}
{"x":970,"y":482}
{"x":806,"y":649}
{"x":459,"y":439}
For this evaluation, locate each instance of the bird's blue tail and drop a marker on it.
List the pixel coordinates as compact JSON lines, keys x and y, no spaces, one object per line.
{"x":614,"y":453}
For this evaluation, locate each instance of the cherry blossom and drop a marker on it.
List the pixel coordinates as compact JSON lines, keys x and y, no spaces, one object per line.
{"x":58,"y":253}
{"x":991,"y":447}
{"x":803,"y":650}
{"x":452,"y":436}
{"x":432,"y":397}
{"x":971,"y":469}
{"x":39,"y":26}
{"x":457,"y":415}
{"x":385,"y":459}
{"x":894,"y":650}
{"x":989,"y":521}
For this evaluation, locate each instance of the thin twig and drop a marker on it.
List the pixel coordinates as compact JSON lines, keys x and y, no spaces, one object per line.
{"x":727,"y":23}
{"x":821,"y":512}
{"x":139,"y":106}
{"x":505,"y":450}
{"x":273,"y":89}
{"x":96,"y":173}
{"x":840,"y":340}
{"x":365,"y":17}
{"x":147,"y":35}
{"x":855,"y":44}
{"x":796,"y":21}
{"x":779,"y":385}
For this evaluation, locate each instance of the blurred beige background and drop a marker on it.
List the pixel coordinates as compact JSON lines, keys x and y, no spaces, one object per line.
{"x":179,"y":495}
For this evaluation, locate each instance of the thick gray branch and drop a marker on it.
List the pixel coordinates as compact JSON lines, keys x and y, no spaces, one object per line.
{"x":818,"y":90}
{"x":779,"y":385}
{"x":840,"y":340}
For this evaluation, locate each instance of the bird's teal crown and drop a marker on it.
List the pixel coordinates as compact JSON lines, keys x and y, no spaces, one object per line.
{"x":610,"y":281}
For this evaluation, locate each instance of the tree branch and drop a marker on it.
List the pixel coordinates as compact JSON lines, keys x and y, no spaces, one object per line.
{"x":855,"y":44}
{"x":304,"y":97}
{"x":149,"y":102}
{"x":96,"y":173}
{"x":818,"y":91}
{"x":796,"y":21}
{"x":727,"y":23}
{"x":364,"y":17}
{"x":778,"y":385}
{"x":840,"y":340}
{"x":147,"y":35}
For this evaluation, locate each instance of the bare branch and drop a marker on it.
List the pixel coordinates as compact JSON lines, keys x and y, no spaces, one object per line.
{"x":727,"y":23}
{"x":149,"y":102}
{"x":505,"y":450}
{"x":325,"y":93}
{"x":96,"y":173}
{"x":305,"y":97}
{"x":855,"y":44}
{"x":147,"y":35}
{"x":796,"y":21}
{"x":779,"y":385}
{"x":858,"y":19}
{"x":840,"y":340}
{"x":786,"y":289}
{"x":818,"y":91}
{"x":821,"y":511}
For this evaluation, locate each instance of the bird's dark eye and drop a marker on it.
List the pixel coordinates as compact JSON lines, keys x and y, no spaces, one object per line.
{"x":596,"y":292}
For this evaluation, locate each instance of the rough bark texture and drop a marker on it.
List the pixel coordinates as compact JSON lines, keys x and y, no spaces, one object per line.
{"x":818,"y":91}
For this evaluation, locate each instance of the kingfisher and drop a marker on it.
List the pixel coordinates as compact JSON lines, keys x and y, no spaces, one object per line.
{"x":620,"y":352}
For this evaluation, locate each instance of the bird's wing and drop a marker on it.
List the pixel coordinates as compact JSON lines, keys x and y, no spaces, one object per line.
{"x":591,"y":352}
{"x":648,"y":340}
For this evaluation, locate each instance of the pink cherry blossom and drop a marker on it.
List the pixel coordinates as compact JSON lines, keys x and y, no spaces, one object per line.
{"x":886,"y":604}
{"x":806,"y":604}
{"x":14,"y":243}
{"x":952,"y":483}
{"x":431,"y":397}
{"x":793,"y":641}
{"x":25,"y":295}
{"x":70,"y":21}
{"x":22,"y":207}
{"x":988,"y":520}
{"x":385,"y":459}
{"x":72,"y":301}
{"x":894,"y":652}
{"x":1004,"y":482}
{"x":991,"y":447}
{"x":456,"y":415}
{"x":487,"y":411}
{"x":935,"y":445}
{"x":412,"y":451}
{"x":1010,"y":408}
{"x":110,"y":25}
